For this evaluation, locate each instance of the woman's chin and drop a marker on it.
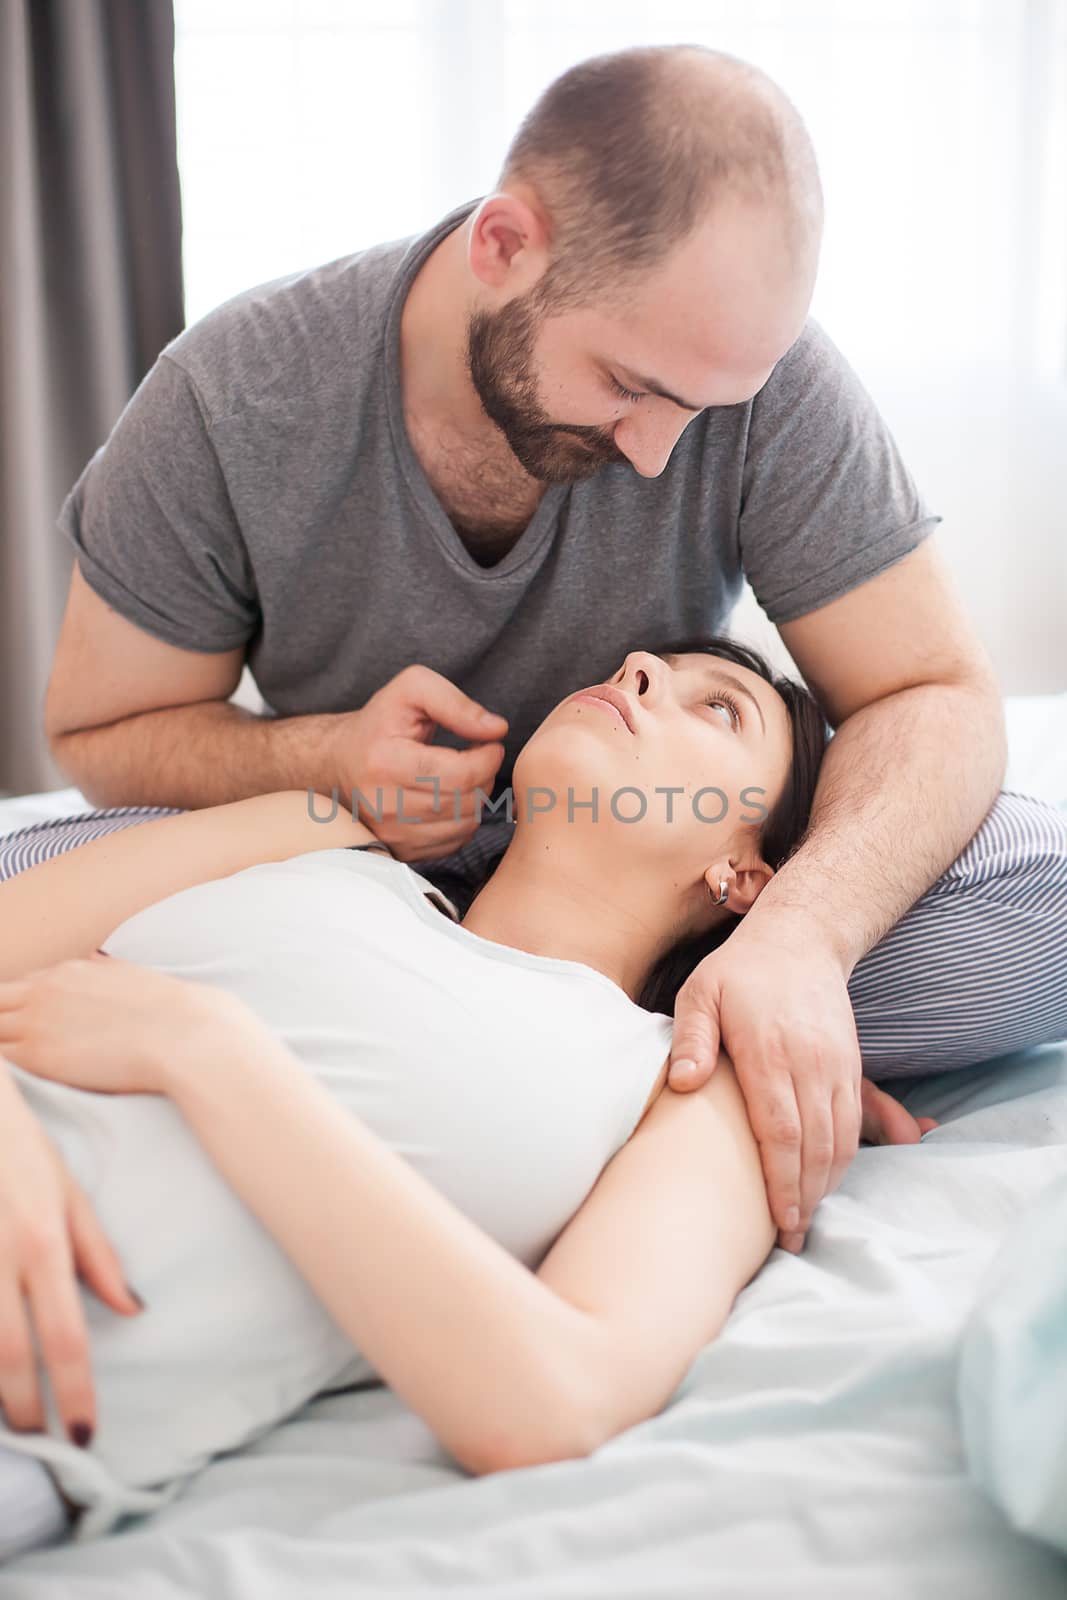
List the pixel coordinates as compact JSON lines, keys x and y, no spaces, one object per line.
{"x":573,"y":780}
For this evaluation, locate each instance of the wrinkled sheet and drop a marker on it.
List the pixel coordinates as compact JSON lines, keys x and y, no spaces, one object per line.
{"x":1012,"y":1384}
{"x":813,"y":1450}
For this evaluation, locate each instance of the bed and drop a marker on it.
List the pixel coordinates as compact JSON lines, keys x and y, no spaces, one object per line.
{"x":814,"y":1449}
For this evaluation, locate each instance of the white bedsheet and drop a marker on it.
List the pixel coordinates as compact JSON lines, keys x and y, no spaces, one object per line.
{"x":813,"y":1450}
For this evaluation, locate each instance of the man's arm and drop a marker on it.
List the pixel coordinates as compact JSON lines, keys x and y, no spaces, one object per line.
{"x":133,"y":720}
{"x":916,"y":761}
{"x":918,"y":755}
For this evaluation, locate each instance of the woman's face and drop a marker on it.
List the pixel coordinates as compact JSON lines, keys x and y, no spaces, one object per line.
{"x":675,"y":730}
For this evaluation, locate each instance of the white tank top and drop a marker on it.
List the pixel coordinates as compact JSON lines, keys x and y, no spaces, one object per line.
{"x":507,"y":1079}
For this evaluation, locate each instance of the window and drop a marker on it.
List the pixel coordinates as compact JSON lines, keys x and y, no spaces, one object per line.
{"x":312,"y":128}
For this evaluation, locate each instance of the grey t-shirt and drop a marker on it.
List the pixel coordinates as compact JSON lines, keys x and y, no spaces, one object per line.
{"x":260,"y":489}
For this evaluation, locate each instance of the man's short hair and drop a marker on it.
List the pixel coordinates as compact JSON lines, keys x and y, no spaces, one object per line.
{"x":630,"y":151}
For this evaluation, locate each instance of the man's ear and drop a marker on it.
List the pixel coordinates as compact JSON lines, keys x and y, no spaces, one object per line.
{"x":508,"y":245}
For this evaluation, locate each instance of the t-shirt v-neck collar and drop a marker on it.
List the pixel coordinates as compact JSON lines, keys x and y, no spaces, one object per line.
{"x":540,"y":525}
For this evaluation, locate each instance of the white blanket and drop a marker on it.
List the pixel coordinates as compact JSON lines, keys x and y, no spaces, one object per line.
{"x":813,"y":1450}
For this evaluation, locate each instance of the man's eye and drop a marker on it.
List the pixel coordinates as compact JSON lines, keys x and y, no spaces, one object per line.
{"x":627,"y":394}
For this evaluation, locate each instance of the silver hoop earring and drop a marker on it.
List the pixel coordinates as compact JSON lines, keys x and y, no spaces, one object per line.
{"x":724,"y":893}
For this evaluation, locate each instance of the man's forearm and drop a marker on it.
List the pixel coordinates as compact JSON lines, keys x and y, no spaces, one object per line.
{"x":904,"y":785}
{"x":198,"y":755}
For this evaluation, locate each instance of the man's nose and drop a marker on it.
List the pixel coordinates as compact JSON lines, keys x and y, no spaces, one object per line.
{"x":647,"y":441}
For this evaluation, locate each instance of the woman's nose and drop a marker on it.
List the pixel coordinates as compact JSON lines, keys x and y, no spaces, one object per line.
{"x":641,"y":671}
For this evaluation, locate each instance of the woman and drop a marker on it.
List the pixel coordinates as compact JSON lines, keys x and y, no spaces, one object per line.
{"x":258,"y":967}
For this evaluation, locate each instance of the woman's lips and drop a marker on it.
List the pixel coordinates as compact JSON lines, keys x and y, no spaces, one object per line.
{"x":605,"y":705}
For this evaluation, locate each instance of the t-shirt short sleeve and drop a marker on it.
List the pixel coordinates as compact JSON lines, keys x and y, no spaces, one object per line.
{"x":152,"y":526}
{"x":827,"y":502}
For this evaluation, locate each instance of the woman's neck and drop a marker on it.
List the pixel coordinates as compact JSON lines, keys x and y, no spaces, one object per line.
{"x":536,"y":902}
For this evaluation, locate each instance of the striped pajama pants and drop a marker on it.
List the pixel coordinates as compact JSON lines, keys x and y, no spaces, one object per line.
{"x":976,"y":968}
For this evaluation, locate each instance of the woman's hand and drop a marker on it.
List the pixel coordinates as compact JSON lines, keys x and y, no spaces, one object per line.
{"x":48,"y":1234}
{"x":106,"y":1024}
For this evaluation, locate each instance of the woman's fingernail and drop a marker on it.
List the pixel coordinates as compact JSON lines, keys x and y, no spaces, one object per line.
{"x":81,"y":1434}
{"x":683,"y":1068}
{"x":135,"y":1296}
{"x":792,"y":1217}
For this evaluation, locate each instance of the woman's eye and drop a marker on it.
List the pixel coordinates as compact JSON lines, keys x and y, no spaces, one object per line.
{"x":627,"y":394}
{"x":724,"y":700}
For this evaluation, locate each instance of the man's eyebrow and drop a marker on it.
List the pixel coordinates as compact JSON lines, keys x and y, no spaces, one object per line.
{"x":716,"y":675}
{"x":653,"y":387}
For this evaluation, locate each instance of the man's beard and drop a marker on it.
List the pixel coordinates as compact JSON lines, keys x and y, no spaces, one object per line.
{"x":499,"y":351}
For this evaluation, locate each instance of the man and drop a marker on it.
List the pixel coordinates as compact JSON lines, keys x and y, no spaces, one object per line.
{"x":565,"y":422}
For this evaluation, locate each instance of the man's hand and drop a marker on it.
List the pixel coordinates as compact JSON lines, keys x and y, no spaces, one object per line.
{"x":783,"y":1016}
{"x":386,"y":745}
{"x":48,"y":1234}
{"x":886,"y":1121}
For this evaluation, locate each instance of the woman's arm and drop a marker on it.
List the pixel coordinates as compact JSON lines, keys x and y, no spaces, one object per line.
{"x":67,"y":906}
{"x":457,"y":1326}
{"x":508,"y":1367}
{"x":675,"y":1227}
{"x":460,"y":1328}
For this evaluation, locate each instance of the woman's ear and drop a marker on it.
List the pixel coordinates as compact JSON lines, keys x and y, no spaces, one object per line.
{"x":745,"y":884}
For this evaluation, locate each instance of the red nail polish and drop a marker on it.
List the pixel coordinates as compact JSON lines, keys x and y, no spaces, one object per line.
{"x":81,"y":1434}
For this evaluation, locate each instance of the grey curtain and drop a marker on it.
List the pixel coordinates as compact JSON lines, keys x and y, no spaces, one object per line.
{"x":90,"y":292}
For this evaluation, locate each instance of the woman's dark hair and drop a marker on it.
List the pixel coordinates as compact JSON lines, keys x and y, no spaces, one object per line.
{"x":784,"y":830}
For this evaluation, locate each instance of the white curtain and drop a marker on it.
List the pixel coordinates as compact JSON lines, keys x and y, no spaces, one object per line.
{"x":310,"y":128}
